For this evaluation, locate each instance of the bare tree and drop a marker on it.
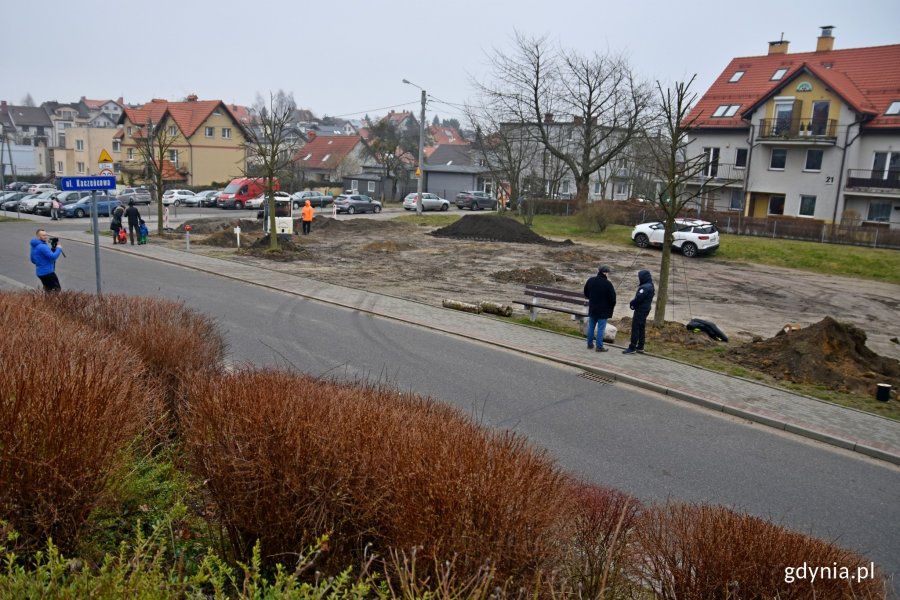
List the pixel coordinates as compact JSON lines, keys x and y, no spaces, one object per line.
{"x":272,"y":145}
{"x":152,"y":142}
{"x":595,"y":102}
{"x":393,"y":147}
{"x":666,"y":144}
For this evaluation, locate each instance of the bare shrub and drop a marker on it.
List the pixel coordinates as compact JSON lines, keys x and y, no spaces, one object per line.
{"x":288,"y":457}
{"x":596,"y":216}
{"x":70,"y":400}
{"x":698,"y":552}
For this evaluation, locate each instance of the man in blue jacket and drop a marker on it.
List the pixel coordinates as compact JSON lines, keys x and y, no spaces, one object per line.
{"x":601,"y":301}
{"x":44,"y":255}
{"x":640,"y":304}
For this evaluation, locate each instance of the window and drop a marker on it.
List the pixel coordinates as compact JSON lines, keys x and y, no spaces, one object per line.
{"x":886,"y":166}
{"x":814,"y":160}
{"x":564,"y":187}
{"x":894,"y":108}
{"x":59,"y":166}
{"x":209,"y":131}
{"x":596,"y":187}
{"x":807,"y":206}
{"x":173,"y":131}
{"x":778,"y":74}
{"x":879,"y":210}
{"x":117,"y":146}
{"x":173,"y":156}
{"x":79,"y":144}
{"x":371,"y":186}
{"x":726,"y":110}
{"x":117,"y":167}
{"x":128,"y":131}
{"x":226,"y":133}
{"x":130,"y":154}
{"x":81,"y":167}
{"x":736,"y":77}
{"x":354,"y":185}
{"x":735,"y":202}
{"x":711,"y":168}
{"x":776,"y":205}
{"x":778,"y":159}
{"x":740,"y":158}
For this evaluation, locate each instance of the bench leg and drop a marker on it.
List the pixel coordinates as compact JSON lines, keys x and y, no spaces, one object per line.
{"x":532,"y":314}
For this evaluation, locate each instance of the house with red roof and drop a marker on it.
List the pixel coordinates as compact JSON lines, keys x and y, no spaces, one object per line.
{"x":208,"y":140}
{"x":329,"y":158}
{"x":807,"y":135}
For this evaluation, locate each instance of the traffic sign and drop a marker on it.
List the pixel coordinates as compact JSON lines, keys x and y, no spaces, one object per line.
{"x":87,"y":183}
{"x":106,"y":172}
{"x":104,"y":157}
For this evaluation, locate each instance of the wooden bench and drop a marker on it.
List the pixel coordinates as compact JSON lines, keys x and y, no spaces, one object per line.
{"x":556,"y":299}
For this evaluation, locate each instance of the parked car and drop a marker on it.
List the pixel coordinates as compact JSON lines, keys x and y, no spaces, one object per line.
{"x":12,"y":202}
{"x":205,"y":198}
{"x":316,"y":199}
{"x":27,"y":205}
{"x":18,"y":186}
{"x":140,"y":195}
{"x":176,"y":197}
{"x":236,"y":193}
{"x":429,"y":202}
{"x":64,"y":198}
{"x":356,"y":203}
{"x":261,"y":199}
{"x":476,"y":200}
{"x":692,"y":236}
{"x":82,"y":208}
{"x":37,"y":188}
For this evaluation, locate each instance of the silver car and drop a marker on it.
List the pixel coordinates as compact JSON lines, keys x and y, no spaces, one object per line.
{"x":429,"y":202}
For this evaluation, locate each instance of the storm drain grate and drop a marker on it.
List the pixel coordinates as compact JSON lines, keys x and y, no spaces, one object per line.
{"x":597,"y":378}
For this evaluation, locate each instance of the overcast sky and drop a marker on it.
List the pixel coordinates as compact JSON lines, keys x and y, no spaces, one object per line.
{"x":348,"y":59}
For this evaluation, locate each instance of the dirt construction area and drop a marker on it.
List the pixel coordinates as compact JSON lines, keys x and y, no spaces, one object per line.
{"x":489,"y":258}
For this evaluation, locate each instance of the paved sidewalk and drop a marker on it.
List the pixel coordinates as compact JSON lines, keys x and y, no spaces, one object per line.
{"x":847,"y":428}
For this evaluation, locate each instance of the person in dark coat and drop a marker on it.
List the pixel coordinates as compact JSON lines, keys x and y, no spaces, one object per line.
{"x":134,"y":221}
{"x":640,"y":304}
{"x":115,"y":223}
{"x":601,"y":297}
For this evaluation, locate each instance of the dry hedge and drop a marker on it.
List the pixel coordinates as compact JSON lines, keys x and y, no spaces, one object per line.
{"x":70,"y":400}
{"x":288,"y":457}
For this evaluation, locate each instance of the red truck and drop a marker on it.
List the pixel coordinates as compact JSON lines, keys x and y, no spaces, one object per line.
{"x":242,"y":189}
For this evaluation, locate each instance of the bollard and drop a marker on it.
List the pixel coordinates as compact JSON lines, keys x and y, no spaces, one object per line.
{"x":187,"y":237}
{"x":237,"y":232}
{"x":883,"y":392}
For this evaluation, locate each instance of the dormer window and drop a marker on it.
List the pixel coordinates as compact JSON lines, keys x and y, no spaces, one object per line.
{"x":893,"y":109}
{"x":777,"y":75}
{"x":726,"y":110}
{"x":736,"y":77}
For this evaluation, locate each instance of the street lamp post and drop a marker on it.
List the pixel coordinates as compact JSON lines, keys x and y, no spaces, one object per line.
{"x":421,"y":150}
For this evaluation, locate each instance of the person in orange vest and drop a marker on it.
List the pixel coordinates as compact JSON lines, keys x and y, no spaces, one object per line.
{"x":307,"y":215}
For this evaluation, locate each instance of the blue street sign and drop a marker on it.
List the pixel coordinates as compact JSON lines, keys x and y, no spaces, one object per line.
{"x":69,"y":184}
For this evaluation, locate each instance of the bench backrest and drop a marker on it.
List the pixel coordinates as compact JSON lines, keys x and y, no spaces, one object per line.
{"x":556,"y":294}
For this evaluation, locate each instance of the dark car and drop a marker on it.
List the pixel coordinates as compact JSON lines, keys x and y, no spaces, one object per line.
{"x":476,"y":200}
{"x":82,"y":208}
{"x":356,"y":203}
{"x":13,"y":202}
{"x":316,"y":199}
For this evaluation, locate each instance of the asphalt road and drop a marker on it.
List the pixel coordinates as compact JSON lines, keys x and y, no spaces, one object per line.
{"x":627,"y":438}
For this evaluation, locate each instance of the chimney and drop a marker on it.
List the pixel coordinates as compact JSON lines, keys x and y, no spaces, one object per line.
{"x":779,"y":47}
{"x":825,"y":41}
{"x":192,"y":98}
{"x":548,"y":117}
{"x":310,"y":135}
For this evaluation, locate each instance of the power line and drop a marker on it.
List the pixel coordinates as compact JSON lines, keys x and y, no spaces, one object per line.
{"x":363,"y":112}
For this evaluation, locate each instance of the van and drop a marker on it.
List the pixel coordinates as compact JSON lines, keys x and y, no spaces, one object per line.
{"x":242,"y":189}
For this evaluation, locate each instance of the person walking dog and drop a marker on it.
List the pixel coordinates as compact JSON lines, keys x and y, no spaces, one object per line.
{"x":601,"y":297}
{"x":640,"y":304}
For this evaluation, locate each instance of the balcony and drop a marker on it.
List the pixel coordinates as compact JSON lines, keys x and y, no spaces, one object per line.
{"x":798,"y":131}
{"x":881,"y":181}
{"x":719,"y":174}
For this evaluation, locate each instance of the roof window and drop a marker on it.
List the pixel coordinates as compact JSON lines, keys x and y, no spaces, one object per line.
{"x":778,"y":74}
{"x":893,"y":109}
{"x":726,"y":110}
{"x":736,"y":77}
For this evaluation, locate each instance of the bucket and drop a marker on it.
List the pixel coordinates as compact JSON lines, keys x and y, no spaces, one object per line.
{"x":883,"y":392}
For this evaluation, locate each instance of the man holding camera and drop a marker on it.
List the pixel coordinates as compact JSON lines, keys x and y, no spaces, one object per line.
{"x":44,"y":252}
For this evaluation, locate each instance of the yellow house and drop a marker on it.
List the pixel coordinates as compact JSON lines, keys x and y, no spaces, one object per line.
{"x":82,"y":151}
{"x":208,"y":141}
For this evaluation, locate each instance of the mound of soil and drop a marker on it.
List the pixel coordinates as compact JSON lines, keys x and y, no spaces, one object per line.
{"x":351,"y":226}
{"x":224,"y":238}
{"x":671,"y":332}
{"x":288,"y":250}
{"x":387,"y":246}
{"x":204,"y":226}
{"x":827,"y":353}
{"x":535,"y":275}
{"x":493,"y":228}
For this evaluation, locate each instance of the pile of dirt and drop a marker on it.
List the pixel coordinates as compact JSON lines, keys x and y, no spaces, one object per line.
{"x":671,"y":333}
{"x":224,"y":238}
{"x":387,"y":246}
{"x":535,"y":275}
{"x":575,"y":256}
{"x":288,"y":250}
{"x":358,"y":226}
{"x":204,"y":226}
{"x":827,"y":353}
{"x":492,"y":228}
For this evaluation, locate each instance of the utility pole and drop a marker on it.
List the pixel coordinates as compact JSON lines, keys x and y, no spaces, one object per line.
{"x":421,"y":168}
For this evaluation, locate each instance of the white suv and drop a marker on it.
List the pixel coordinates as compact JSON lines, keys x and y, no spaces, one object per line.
{"x":37,"y":188}
{"x":176,"y":197}
{"x":692,"y":236}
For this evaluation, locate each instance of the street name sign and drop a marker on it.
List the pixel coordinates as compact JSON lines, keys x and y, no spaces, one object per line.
{"x":69,"y":184}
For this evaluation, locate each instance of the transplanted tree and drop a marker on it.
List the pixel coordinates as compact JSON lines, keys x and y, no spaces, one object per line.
{"x":271,"y":145}
{"x":673,"y":168}
{"x":595,"y":102}
{"x":393,"y":147}
{"x":152,"y":142}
